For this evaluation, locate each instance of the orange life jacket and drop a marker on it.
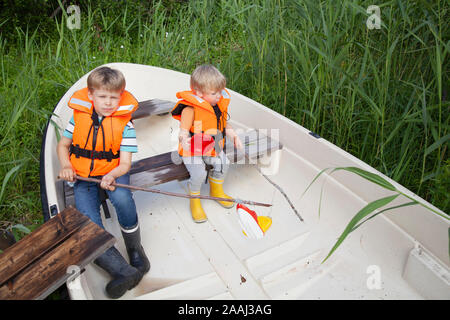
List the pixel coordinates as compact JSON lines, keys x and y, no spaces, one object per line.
{"x":205,"y":120}
{"x":95,"y":148}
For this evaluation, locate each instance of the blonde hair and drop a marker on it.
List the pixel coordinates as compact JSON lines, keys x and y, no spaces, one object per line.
{"x":107,"y":79}
{"x":207,"y":77}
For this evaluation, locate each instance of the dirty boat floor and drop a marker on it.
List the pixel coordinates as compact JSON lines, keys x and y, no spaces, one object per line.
{"x":214,"y":260}
{"x":214,"y":256}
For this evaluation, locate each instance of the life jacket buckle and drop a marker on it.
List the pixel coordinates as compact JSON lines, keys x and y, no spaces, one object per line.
{"x":74,"y":150}
{"x":108,"y":155}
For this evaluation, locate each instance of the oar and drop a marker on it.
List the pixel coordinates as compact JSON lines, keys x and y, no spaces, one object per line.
{"x":175,"y":194}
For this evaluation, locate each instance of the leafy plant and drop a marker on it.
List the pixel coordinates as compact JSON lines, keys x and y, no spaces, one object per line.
{"x":370,"y":210}
{"x":15,"y":231}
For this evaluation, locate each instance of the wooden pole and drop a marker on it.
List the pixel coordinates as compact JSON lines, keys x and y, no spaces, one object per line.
{"x":173,"y":194}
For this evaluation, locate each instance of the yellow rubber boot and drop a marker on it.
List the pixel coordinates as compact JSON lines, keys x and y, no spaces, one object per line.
{"x":196,"y":209}
{"x":216,"y":190}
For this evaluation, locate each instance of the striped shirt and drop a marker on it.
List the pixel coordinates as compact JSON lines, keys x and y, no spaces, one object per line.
{"x":129,"y":143}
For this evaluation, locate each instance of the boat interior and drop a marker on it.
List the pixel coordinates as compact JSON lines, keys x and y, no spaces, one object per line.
{"x":216,"y":260}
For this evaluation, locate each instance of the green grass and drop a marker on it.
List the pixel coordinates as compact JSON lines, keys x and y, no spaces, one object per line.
{"x":378,"y":94}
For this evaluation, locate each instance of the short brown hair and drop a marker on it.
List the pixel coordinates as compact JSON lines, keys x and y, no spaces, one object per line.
{"x":207,"y":76}
{"x":107,"y":79}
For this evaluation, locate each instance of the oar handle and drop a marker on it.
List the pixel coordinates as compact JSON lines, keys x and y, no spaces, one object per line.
{"x":173,"y":194}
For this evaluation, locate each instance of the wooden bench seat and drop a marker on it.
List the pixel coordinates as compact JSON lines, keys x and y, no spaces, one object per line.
{"x":161,"y":168}
{"x":38,"y":264}
{"x":152,"y":107}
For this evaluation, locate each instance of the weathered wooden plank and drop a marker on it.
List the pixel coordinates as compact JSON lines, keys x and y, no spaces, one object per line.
{"x":151,"y":166}
{"x":255,"y":145}
{"x":152,"y":107}
{"x":17,"y":257}
{"x":150,"y":163}
{"x":264,"y":145}
{"x":159,"y":175}
{"x":49,"y":272}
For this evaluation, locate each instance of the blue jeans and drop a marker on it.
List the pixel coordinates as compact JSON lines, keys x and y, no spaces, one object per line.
{"x":87,"y":201}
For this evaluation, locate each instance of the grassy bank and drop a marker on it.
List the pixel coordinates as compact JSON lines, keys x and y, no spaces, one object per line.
{"x":378,"y":94}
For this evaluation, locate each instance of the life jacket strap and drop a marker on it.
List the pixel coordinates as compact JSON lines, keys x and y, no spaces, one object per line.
{"x":92,"y":154}
{"x":214,"y":136}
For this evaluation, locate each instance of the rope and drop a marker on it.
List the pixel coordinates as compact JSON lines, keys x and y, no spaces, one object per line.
{"x":282,"y":192}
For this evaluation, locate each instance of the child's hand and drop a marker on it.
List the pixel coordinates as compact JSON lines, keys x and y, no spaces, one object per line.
{"x":107,"y":182}
{"x":185,"y":143}
{"x":238,"y":142}
{"x":68,"y":174}
{"x":184,"y":139}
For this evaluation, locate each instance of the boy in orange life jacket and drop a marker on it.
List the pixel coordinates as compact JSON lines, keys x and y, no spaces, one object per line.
{"x":98,"y":142}
{"x":202,"y":112}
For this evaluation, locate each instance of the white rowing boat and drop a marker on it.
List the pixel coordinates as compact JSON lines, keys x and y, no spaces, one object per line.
{"x":402,"y":254}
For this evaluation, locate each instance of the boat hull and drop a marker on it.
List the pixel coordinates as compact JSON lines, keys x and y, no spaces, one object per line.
{"x":216,"y":260}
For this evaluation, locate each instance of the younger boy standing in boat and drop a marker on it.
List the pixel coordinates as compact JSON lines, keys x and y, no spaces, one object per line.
{"x":98,"y":142}
{"x":202,"y":113}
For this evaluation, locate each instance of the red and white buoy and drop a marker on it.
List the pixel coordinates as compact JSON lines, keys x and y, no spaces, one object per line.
{"x":253,"y":226}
